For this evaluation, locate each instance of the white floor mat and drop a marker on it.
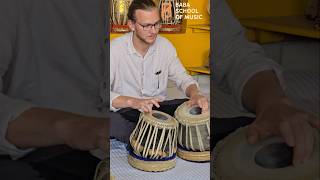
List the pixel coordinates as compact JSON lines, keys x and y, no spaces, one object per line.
{"x":184,"y":170}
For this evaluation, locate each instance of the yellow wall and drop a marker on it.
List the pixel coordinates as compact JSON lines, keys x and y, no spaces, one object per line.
{"x":192,"y":47}
{"x":269,"y":21}
{"x":267,"y":8}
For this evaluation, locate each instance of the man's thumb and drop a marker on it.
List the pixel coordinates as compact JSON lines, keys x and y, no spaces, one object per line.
{"x":252,"y":134}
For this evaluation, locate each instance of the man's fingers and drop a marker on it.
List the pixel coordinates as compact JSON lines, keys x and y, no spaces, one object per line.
{"x":149,"y":107}
{"x":158,"y":99}
{"x":145,"y":109}
{"x":314,"y":121}
{"x":309,"y":139}
{"x":155,"y":102}
{"x":205,"y":107}
{"x":252,"y":134}
{"x":200,"y":104}
{"x":286,"y":133}
{"x":299,"y":138}
{"x":189,"y":103}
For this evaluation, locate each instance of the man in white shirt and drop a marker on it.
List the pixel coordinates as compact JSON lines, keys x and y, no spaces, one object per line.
{"x":141,"y":62}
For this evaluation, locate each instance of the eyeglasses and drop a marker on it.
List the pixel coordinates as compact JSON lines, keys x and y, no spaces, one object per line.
{"x":148,"y":27}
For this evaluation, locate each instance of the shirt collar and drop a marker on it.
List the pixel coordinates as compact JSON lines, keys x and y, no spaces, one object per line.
{"x":131,"y":48}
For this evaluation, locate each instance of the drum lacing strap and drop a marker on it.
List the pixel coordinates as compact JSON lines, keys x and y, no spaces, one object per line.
{"x":201,"y":147}
{"x":152,"y":136}
{"x":168,"y":142}
{"x":190,"y":135}
{"x":133,"y":134}
{"x":135,"y":129}
{"x":156,"y":155}
{"x":147,"y":144}
{"x":141,"y":135}
{"x":189,"y":145}
{"x":155,"y":138}
{"x":174,"y":143}
{"x":180,"y":136}
{"x":157,"y":150}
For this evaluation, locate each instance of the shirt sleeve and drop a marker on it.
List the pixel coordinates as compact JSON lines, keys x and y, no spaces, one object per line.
{"x":178,"y":74}
{"x":10,"y":108}
{"x":113,"y":66}
{"x":235,"y":59}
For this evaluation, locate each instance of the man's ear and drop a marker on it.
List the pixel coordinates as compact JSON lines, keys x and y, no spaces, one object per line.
{"x":131,"y":25}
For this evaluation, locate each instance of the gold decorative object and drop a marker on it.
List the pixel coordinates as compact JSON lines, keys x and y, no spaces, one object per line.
{"x":119,"y":12}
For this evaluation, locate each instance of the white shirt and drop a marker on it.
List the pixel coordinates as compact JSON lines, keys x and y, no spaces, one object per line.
{"x":133,"y":75}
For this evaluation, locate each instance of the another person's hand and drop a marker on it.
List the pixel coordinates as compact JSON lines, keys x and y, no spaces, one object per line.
{"x":293,"y":125}
{"x":199,"y":100}
{"x":144,"y":105}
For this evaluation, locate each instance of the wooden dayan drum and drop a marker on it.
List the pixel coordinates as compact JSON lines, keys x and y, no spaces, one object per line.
{"x":153,"y":142}
{"x":193,"y":134}
{"x":234,"y":158}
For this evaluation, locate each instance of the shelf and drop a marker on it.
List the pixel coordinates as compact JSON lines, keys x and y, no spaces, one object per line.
{"x":199,"y":28}
{"x":200,"y":69}
{"x":292,"y":25}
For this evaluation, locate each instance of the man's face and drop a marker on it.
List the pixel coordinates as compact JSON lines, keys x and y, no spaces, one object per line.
{"x":147,"y":25}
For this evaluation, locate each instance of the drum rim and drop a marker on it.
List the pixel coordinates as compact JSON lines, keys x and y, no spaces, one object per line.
{"x":171,"y":123}
{"x":183,"y":116}
{"x":151,"y":166}
{"x":193,"y":156}
{"x":222,"y":143}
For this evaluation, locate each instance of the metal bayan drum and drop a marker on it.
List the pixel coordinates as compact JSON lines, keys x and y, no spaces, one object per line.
{"x":235,"y":159}
{"x":153,"y":142}
{"x":193,"y":134}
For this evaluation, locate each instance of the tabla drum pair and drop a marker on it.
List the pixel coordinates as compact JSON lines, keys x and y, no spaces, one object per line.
{"x":235,"y":159}
{"x":154,"y":139}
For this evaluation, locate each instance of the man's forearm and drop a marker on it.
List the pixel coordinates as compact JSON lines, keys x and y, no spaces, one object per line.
{"x":35,"y":128}
{"x":123,"y":102}
{"x":261,"y":90}
{"x":40,"y":127}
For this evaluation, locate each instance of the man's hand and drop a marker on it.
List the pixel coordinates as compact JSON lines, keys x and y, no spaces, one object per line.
{"x":196,"y":98}
{"x":199,"y":100}
{"x":144,"y":105}
{"x":293,"y":125}
{"x":41,"y":127}
{"x":84,"y":133}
